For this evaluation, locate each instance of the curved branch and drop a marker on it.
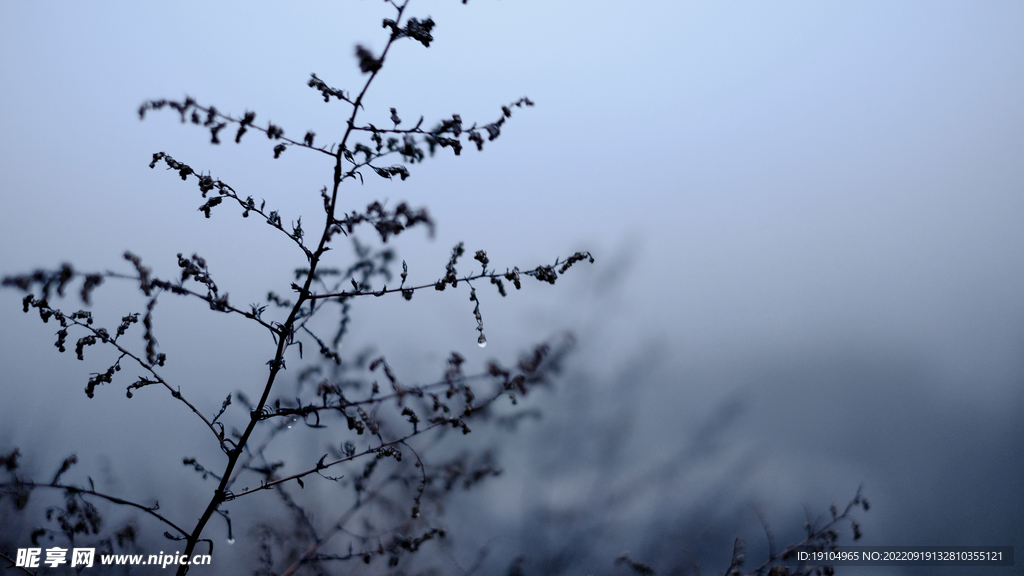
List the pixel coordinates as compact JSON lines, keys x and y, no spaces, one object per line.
{"x":105,"y":337}
{"x":151,"y":510}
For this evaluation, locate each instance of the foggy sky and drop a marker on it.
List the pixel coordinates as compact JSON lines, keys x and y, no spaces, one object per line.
{"x":814,"y":208}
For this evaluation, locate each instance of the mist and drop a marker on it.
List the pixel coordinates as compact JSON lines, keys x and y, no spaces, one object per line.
{"x":805,"y":218}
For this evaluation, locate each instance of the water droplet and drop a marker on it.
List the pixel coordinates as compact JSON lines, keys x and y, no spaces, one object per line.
{"x":231,"y":540}
{"x":292,"y":421}
{"x":482,"y":341}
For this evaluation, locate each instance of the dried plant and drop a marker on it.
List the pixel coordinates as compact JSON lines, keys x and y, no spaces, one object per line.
{"x":390,"y":492}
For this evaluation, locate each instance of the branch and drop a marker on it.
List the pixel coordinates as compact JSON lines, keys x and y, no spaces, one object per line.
{"x":325,"y":465}
{"x":104,"y":337}
{"x":11,"y":560}
{"x":151,"y":510}
{"x":542,"y":273}
{"x":207,"y":184}
{"x":216,"y":121}
{"x":822,"y":537}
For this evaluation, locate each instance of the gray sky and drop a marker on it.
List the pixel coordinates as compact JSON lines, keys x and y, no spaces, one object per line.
{"x":815,"y":205}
